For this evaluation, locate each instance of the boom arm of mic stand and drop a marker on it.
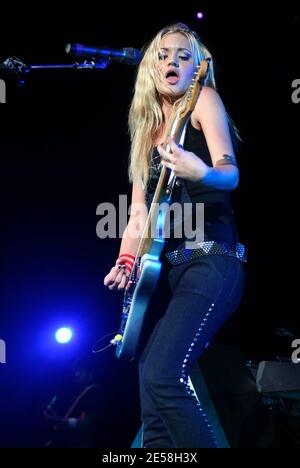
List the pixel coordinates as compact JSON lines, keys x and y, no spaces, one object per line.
{"x":14,"y":66}
{"x":86,"y":65}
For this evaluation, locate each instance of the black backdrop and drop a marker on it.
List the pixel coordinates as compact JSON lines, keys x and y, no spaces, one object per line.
{"x":63,"y":150}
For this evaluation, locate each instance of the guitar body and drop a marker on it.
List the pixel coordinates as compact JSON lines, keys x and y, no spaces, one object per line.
{"x":135,"y":308}
{"x":147,"y":266}
{"x":137,"y":298}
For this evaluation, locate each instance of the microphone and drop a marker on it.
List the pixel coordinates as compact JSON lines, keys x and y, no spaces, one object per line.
{"x":127,"y":55}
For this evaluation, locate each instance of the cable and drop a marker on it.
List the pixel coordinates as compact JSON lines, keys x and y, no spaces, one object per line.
{"x":114,"y":341}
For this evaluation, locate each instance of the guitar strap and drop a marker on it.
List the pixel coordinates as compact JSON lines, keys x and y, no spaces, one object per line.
{"x":182,"y":197}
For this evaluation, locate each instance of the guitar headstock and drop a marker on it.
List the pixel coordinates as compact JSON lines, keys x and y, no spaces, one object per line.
{"x":195,"y":86}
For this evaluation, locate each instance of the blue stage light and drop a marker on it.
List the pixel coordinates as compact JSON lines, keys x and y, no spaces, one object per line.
{"x":64,"y":335}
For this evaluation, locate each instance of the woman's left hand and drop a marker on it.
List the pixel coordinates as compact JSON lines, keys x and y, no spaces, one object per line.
{"x":185,"y":164}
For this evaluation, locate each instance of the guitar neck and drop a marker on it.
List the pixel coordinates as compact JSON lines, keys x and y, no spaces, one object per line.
{"x":163,"y":192}
{"x":160,"y":195}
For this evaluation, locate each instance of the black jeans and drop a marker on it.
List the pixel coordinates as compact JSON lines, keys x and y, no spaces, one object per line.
{"x":205,"y":292}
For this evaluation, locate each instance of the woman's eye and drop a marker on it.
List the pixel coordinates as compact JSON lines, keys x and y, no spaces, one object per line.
{"x":185,"y":57}
{"x":162,"y":56}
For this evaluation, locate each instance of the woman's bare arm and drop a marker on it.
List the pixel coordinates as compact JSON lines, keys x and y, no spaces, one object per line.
{"x":117,"y":278}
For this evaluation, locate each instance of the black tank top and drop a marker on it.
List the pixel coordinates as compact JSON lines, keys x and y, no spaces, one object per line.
{"x":219,"y":221}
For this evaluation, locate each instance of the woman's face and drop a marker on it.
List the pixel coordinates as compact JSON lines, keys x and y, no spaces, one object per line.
{"x":176,"y":65}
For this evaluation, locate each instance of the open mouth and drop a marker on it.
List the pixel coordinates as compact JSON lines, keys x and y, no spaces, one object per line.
{"x":172,"y":76}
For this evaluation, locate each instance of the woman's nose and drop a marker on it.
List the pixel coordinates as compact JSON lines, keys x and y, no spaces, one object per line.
{"x":173,"y":63}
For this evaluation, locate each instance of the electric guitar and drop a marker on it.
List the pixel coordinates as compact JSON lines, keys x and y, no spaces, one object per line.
{"x":147,"y":266}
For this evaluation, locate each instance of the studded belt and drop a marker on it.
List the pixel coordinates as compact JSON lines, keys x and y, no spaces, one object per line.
{"x":238,"y":251}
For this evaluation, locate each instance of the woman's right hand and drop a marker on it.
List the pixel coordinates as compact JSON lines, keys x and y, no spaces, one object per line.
{"x":117,"y":278}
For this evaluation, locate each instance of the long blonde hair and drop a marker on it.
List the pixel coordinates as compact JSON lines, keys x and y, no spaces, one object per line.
{"x":145,"y":115}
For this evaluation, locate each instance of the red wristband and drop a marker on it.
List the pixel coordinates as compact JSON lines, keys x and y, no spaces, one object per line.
{"x":127,"y":255}
{"x":127,"y":262}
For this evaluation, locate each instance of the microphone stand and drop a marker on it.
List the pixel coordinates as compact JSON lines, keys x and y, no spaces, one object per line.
{"x":14,"y":66}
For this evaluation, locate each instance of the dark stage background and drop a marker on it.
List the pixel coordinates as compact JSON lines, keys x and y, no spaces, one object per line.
{"x":63,"y":150}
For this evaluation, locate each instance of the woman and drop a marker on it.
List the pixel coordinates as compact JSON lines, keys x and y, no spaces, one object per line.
{"x":207,"y":284}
